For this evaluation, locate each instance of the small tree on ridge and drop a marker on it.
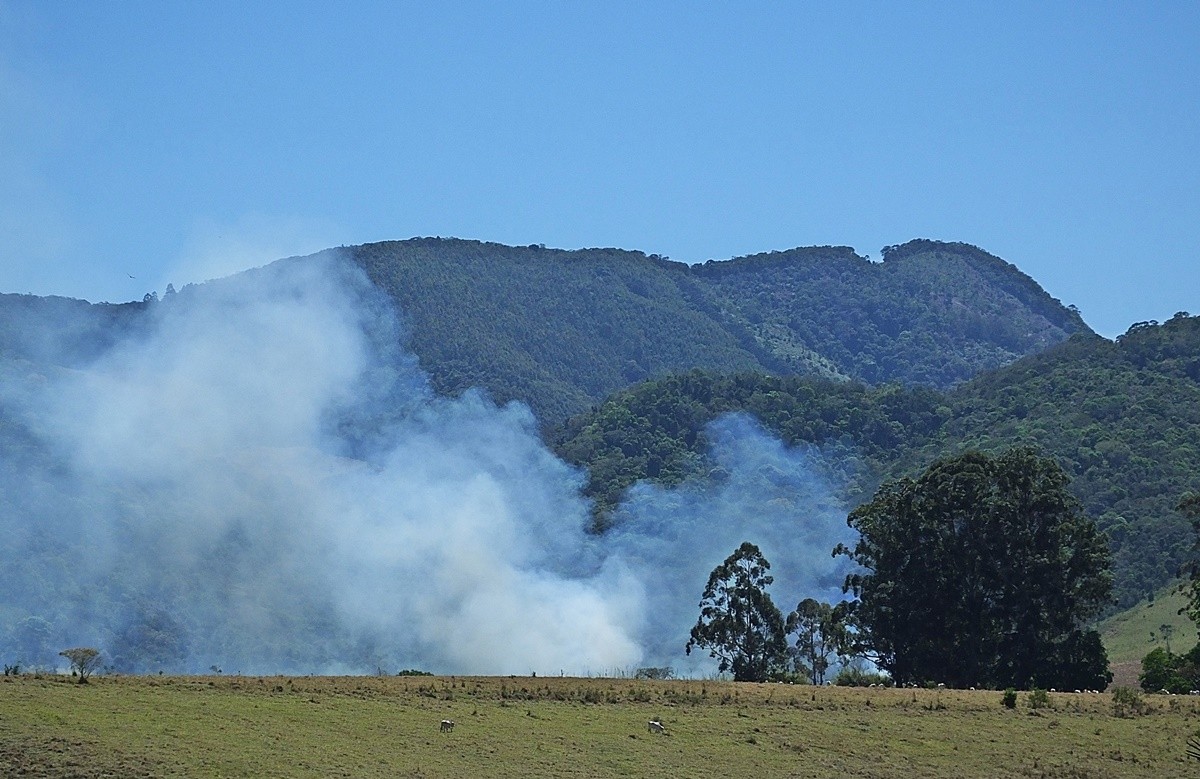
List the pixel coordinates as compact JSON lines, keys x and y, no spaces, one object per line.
{"x":83,"y":661}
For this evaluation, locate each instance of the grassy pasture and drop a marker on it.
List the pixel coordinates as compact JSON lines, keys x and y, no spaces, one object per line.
{"x":1127,"y":635}
{"x":388,"y":727}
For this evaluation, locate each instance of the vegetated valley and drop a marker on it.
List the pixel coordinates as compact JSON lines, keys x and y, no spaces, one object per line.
{"x":1123,"y":418}
{"x":875,"y":368}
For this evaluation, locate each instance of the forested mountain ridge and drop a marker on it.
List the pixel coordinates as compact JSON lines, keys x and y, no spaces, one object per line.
{"x":931,"y":313}
{"x":1123,"y":419}
{"x":61,"y":331}
{"x":43,"y":335}
{"x":561,"y":330}
{"x":557,"y":330}
{"x":260,"y":377}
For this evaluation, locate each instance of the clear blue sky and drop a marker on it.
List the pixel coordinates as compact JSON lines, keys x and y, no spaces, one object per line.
{"x":178,"y":141}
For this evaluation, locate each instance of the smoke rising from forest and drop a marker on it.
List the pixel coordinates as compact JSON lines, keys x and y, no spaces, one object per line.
{"x":257,"y":477}
{"x":759,"y":491}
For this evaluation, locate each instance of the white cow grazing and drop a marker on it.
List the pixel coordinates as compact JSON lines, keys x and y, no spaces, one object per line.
{"x":654,"y":726}
{"x":447,"y":726}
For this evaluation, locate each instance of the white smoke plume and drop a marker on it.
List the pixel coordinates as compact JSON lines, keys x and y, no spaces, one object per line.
{"x":257,"y":478}
{"x":760,"y":491}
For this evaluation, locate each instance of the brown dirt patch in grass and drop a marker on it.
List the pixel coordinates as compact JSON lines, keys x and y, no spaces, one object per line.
{"x":52,"y":757}
{"x":1126,"y":674}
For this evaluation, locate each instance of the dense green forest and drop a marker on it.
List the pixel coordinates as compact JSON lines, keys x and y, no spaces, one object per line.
{"x":886,"y":366}
{"x":1123,"y":419}
{"x":561,"y":330}
{"x":557,"y":330}
{"x":931,"y":313}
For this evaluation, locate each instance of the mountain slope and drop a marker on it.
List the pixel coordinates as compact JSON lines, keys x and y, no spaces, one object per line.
{"x":931,"y":313}
{"x":560,"y":330}
{"x":61,"y":331}
{"x":1122,"y":417}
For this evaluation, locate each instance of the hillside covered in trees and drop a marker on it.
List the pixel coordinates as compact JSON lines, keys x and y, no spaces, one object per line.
{"x":561,"y":330}
{"x":625,"y":358}
{"x":1123,"y":419}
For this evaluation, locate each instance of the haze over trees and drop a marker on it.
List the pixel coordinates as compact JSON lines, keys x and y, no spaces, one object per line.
{"x":882,"y":367}
{"x":982,"y":572}
{"x":1122,"y":418}
{"x":821,"y":633}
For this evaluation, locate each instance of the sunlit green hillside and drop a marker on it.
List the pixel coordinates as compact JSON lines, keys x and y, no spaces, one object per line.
{"x":1129,"y":635}
{"x":1122,"y":418}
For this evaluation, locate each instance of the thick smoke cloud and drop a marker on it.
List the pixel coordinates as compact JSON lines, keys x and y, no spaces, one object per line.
{"x":259,"y":479}
{"x":760,"y":491}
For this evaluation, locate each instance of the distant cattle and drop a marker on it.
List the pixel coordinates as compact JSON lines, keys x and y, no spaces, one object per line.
{"x":447,"y":726}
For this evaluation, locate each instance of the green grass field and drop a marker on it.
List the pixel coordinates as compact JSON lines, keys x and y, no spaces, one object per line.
{"x":1127,"y":635}
{"x":1131,"y":634}
{"x":388,"y":727}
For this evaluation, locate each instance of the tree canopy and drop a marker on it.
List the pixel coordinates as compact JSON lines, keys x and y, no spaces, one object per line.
{"x":560,"y":330}
{"x":83,"y":660}
{"x":821,"y":632}
{"x":1122,"y":418}
{"x":739,"y":625}
{"x":981,"y":572}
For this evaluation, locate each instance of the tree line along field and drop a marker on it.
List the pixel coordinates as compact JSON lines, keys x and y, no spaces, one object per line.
{"x":131,"y":726}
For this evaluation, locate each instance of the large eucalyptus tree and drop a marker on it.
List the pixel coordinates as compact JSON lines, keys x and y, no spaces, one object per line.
{"x":983,"y":571}
{"x":739,"y":624}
